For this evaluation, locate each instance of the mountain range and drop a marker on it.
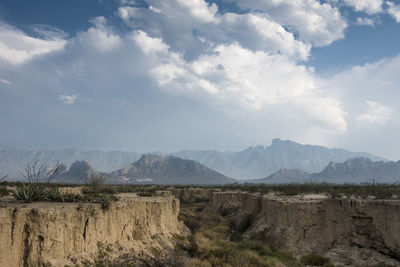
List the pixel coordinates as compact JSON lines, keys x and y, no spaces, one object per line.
{"x":166,"y":169}
{"x":251,"y":163}
{"x":360,"y":170}
{"x":356,"y":171}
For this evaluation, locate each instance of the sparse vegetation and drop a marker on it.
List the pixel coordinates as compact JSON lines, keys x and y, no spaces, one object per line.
{"x":315,"y":260}
{"x":34,"y":190}
{"x":210,"y":245}
{"x":3,"y":189}
{"x":105,"y":200}
{"x":94,"y":181}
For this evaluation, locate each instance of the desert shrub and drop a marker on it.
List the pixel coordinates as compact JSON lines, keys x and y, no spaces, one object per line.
{"x":105,"y":201}
{"x":53,"y":194}
{"x":34,"y":190}
{"x":93,"y":182}
{"x":27,"y":193}
{"x":4,"y":191}
{"x":192,"y":223}
{"x":314,"y":260}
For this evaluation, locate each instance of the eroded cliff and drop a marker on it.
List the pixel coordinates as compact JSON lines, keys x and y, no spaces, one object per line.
{"x":60,"y":234}
{"x":349,"y":231}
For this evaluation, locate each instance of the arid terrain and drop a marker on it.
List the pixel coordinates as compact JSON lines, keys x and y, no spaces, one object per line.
{"x":291,"y":225}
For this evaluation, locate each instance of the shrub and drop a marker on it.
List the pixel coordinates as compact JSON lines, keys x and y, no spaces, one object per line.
{"x":54,"y":194}
{"x":94,"y":181}
{"x":314,"y":260}
{"x":3,"y":191}
{"x":105,"y":201}
{"x":27,"y":193}
{"x":33,"y":190}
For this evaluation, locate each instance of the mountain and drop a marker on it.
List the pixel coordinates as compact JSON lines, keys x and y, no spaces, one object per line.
{"x":260,"y":161}
{"x":167,"y":169}
{"x":14,"y":160}
{"x":76,"y":173}
{"x":360,"y":170}
{"x":251,"y":163}
{"x":284,"y":176}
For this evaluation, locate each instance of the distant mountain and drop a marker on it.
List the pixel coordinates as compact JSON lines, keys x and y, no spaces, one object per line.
{"x":284,"y":176}
{"x":360,"y":170}
{"x":260,"y":161}
{"x":166,"y":169}
{"x":14,"y":160}
{"x":76,"y":173}
{"x":251,"y":163}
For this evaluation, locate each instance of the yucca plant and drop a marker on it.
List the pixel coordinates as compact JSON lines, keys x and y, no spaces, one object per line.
{"x":54,"y":194}
{"x":33,"y":190}
{"x":26,"y":193}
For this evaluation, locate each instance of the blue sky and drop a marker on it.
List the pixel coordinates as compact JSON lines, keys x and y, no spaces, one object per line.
{"x":177,"y":74}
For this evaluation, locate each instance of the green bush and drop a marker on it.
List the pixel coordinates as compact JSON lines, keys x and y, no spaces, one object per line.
{"x":53,"y":194}
{"x":105,"y":201}
{"x":27,"y":193}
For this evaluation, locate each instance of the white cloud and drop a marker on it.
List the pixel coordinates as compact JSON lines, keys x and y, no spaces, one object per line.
{"x":376,"y":113}
{"x":101,"y":36}
{"x":367,"y":6}
{"x":232,"y":76}
{"x":394,"y":10}
{"x":262,"y":33}
{"x":67,"y":99}
{"x":5,"y":81}
{"x":127,"y":12}
{"x":365,"y":22}
{"x":192,"y":34}
{"x":200,"y":9}
{"x":17,"y":47}
{"x":148,"y":44}
{"x":316,"y":23}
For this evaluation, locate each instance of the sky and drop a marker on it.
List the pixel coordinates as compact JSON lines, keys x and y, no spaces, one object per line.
{"x":147,"y":75}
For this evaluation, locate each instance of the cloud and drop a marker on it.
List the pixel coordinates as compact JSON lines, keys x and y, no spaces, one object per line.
{"x":365,"y":22}
{"x":67,"y":99}
{"x":367,"y":6}
{"x":376,"y":113}
{"x":394,"y":10}
{"x":100,"y":36}
{"x":317,"y":23}
{"x":5,"y":81}
{"x":17,"y":47}
{"x":232,"y":76}
{"x":236,"y":77}
{"x":200,"y":9}
{"x":148,"y":44}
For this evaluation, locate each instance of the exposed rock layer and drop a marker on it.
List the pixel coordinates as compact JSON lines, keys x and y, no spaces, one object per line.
{"x":346,"y":230}
{"x":59,"y":234}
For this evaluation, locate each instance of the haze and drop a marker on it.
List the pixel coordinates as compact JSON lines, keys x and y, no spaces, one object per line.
{"x":227,"y":74}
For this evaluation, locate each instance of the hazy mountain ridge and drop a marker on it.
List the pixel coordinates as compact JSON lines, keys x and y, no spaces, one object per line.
{"x":260,"y":161}
{"x":166,"y":169}
{"x":360,"y":170}
{"x":284,"y":176}
{"x":251,"y":163}
{"x":356,"y":170}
